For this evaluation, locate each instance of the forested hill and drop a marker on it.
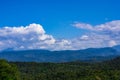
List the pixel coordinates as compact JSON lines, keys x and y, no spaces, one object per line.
{"x":107,"y":70}
{"x":77,"y":70}
{"x":91,"y":54}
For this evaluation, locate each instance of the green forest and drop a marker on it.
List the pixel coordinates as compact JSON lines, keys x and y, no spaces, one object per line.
{"x":107,"y":70}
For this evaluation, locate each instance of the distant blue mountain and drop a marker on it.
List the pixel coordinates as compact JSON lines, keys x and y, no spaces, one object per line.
{"x":117,"y":48}
{"x":91,"y":54}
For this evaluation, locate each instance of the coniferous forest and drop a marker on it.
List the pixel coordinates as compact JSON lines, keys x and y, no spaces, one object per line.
{"x":107,"y":70}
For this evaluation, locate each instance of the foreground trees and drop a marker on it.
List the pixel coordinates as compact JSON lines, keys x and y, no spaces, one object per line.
{"x":69,"y":71}
{"x":8,"y":71}
{"x":108,"y":70}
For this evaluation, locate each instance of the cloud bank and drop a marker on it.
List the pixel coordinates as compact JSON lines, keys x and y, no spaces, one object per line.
{"x":29,"y":37}
{"x":103,"y":35}
{"x":113,"y":26}
{"x":34,"y":36}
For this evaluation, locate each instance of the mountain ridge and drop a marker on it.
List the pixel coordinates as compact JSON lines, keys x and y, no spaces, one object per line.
{"x":90,"y":54}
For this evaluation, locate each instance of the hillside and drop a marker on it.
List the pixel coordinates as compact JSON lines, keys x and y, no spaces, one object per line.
{"x":91,"y":54}
{"x":108,"y":70}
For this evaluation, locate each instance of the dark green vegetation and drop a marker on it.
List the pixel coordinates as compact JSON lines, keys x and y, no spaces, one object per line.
{"x":8,"y":71}
{"x":107,"y":70}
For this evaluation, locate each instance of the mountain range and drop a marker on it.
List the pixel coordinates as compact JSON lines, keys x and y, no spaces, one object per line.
{"x":90,"y":54}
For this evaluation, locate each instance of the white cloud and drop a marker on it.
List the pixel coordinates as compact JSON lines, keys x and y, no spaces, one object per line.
{"x":112,"y":26}
{"x":24,"y":37}
{"x":112,"y":43}
{"x":63,"y":45}
{"x":102,"y":35}
{"x":84,"y":37}
{"x":51,"y":40}
{"x":82,"y":25}
{"x":35,"y":37}
{"x":29,"y":37}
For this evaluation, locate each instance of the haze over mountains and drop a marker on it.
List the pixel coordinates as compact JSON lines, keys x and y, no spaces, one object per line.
{"x":90,"y":54}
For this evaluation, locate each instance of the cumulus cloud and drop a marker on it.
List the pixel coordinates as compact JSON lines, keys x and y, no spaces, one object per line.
{"x":34,"y":36}
{"x":103,"y":35}
{"x":113,"y":26}
{"x":82,"y":25}
{"x":112,"y":43}
{"x":84,"y":37}
{"x":28,"y":37}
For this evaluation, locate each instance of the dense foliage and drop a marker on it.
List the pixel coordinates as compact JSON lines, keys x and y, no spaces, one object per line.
{"x":8,"y":71}
{"x":108,"y":70}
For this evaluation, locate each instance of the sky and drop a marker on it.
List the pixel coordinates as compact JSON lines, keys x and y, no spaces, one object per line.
{"x":59,"y":24}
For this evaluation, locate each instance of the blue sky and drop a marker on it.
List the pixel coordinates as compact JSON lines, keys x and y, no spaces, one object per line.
{"x":56,"y":16}
{"x":59,"y":18}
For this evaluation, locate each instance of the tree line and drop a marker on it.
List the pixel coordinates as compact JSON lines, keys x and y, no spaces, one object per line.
{"x":107,"y":70}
